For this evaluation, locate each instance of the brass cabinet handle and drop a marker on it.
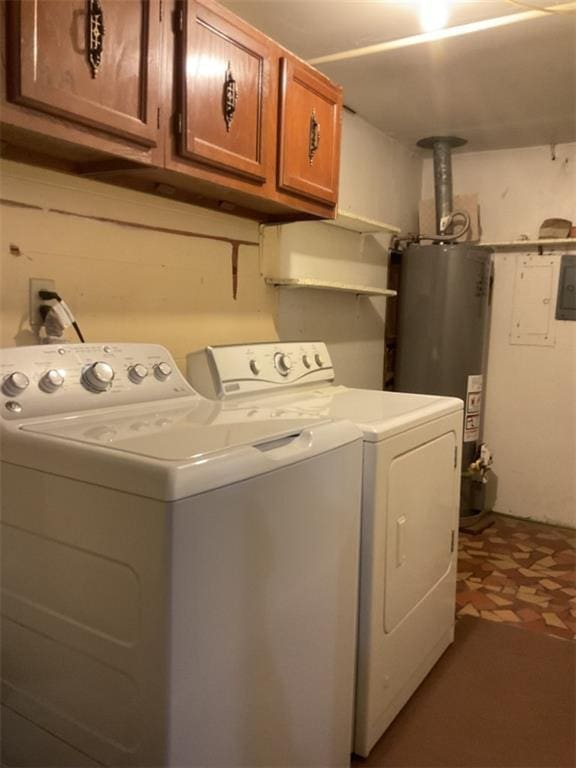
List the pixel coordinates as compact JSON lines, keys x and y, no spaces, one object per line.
{"x":230,"y":97}
{"x":314,"y":137}
{"x":95,"y":34}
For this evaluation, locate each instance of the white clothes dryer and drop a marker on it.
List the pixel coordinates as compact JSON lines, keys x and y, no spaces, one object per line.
{"x":179,"y":582}
{"x":411,"y":483}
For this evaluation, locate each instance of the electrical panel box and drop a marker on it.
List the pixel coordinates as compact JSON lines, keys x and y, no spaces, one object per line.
{"x":566,"y":301}
{"x":533,"y":302}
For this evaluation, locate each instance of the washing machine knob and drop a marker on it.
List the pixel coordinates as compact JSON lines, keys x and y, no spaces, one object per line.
{"x":98,"y":377}
{"x":51,"y":381}
{"x":162,"y":371}
{"x":283,"y":363}
{"x":306,"y":361}
{"x":254,"y":367}
{"x":319,"y":360}
{"x":137,"y":373}
{"x":15,"y":383}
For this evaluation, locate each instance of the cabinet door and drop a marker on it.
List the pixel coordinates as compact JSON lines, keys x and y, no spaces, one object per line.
{"x":94,"y":62}
{"x":309,"y":133}
{"x":225,"y":91}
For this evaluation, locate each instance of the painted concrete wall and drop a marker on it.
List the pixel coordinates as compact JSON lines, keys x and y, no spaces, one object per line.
{"x":125,"y":282}
{"x":530,"y":420}
{"x":379,"y":179}
{"x":139,"y":284}
{"x":517,"y":188}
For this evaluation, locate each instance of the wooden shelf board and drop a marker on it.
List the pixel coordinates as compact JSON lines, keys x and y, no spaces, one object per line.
{"x":544,"y":243}
{"x":325,"y":285}
{"x":361,"y":224}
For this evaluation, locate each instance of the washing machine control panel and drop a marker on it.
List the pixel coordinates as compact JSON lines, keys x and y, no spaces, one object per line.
{"x":229,"y":371}
{"x":47,"y":379}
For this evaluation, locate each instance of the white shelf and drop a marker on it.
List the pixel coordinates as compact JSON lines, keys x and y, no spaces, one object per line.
{"x":325,"y":285}
{"x":357,"y":223}
{"x":556,"y":242}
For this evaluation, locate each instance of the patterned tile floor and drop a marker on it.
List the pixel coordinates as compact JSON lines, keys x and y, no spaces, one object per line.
{"x":519,"y":572}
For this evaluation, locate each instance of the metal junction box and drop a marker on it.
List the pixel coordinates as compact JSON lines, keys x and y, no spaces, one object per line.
{"x":566,"y":302}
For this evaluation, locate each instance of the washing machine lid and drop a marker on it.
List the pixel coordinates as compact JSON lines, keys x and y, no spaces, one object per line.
{"x":379,"y":415}
{"x":173,"y":452}
{"x":190,"y":431}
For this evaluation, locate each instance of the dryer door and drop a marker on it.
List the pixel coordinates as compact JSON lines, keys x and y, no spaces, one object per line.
{"x":422,"y":504}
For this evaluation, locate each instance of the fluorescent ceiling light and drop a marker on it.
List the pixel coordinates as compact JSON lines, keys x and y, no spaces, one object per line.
{"x":433,"y":14}
{"x":444,"y":34}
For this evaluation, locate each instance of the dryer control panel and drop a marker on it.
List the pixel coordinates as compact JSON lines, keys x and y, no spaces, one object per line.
{"x":228,"y":371}
{"x":46,"y":379}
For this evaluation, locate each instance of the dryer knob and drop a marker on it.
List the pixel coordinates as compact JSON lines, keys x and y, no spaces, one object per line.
{"x":98,"y":377}
{"x":15,"y":383}
{"x":51,"y":381}
{"x":162,"y":371}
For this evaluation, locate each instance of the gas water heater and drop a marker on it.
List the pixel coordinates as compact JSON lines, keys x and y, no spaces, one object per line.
{"x":443,"y":321}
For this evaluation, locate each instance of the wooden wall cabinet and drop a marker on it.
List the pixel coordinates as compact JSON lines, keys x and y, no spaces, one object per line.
{"x":183,"y":96}
{"x":224,"y":97}
{"x":92,"y":63}
{"x":310,"y":108}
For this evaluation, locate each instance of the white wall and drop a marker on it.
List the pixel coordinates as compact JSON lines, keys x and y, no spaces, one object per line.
{"x":379,"y":179}
{"x":531,"y":411}
{"x":530,"y":419}
{"x":517,"y":188}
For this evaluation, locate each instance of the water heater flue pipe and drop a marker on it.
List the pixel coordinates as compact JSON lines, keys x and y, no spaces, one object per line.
{"x":441,"y":147}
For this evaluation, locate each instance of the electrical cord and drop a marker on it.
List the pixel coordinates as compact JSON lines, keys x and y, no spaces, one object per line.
{"x":449,"y":221}
{"x":53,"y":296}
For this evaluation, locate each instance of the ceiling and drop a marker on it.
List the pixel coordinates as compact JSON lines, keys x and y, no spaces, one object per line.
{"x":509,"y":86}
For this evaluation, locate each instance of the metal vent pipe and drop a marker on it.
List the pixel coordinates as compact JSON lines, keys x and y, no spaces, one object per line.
{"x":442,"y":149}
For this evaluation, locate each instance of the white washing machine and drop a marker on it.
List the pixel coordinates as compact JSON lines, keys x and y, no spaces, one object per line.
{"x":411,"y":482}
{"x":179,"y":583}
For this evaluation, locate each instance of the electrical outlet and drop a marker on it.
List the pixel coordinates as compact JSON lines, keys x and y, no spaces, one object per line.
{"x":38,"y":284}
